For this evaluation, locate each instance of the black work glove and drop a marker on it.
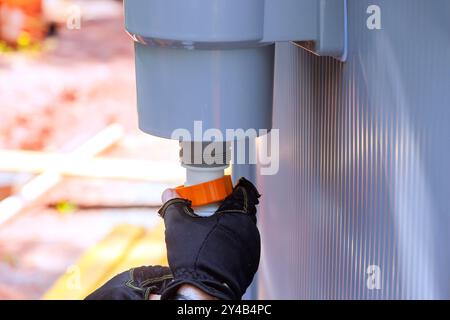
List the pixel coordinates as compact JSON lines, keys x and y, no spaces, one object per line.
{"x":134,"y":284}
{"x":217,"y":254}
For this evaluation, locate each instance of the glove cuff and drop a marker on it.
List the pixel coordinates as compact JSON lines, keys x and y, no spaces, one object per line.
{"x":200,"y":280}
{"x":176,"y":201}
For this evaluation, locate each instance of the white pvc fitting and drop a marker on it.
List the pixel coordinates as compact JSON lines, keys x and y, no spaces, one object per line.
{"x":194,"y":160}
{"x":196,"y":175}
{"x":202,"y":166}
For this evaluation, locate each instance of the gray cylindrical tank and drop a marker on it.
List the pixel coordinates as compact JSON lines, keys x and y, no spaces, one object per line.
{"x":225,"y":89}
{"x":201,"y":60}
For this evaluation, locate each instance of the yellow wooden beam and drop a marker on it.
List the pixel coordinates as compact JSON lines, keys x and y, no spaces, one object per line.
{"x":148,"y":250}
{"x":95,"y":267}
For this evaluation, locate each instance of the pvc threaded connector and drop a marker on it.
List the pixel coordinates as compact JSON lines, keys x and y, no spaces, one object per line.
{"x":205,"y":154}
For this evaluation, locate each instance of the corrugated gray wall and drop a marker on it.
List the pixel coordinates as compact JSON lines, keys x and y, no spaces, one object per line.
{"x":364,"y":162}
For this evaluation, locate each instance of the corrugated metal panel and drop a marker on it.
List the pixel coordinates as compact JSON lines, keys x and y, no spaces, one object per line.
{"x":364,"y":162}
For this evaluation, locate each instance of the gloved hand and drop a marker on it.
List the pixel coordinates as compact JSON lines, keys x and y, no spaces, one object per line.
{"x":135,"y":284}
{"x":218,"y":254}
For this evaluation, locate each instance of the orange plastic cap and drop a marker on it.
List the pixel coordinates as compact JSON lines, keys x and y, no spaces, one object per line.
{"x":207,"y":192}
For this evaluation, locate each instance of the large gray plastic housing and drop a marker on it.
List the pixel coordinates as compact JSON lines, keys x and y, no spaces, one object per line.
{"x":213,"y":60}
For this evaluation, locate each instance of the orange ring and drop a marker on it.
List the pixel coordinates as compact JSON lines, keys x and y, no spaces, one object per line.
{"x":207,"y":192}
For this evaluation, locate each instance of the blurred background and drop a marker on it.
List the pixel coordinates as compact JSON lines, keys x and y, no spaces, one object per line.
{"x":79,"y":184}
{"x":364,"y":163}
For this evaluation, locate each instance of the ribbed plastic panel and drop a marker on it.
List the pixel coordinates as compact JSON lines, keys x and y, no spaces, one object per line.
{"x":364,"y":163}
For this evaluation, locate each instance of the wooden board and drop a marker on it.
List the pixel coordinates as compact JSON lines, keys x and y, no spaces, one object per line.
{"x":95,"y":267}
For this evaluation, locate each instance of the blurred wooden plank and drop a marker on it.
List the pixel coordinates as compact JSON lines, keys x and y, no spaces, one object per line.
{"x":38,"y":186}
{"x":148,"y":250}
{"x":96,"y":266}
{"x":97,"y":167}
